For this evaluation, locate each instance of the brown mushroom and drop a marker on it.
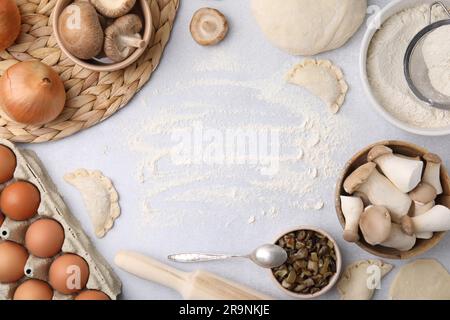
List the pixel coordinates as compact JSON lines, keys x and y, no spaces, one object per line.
{"x":208,"y":26}
{"x":424,"y":193}
{"x":80,"y":30}
{"x":375,"y":225}
{"x":433,"y":171}
{"x":113,"y":8}
{"x":123,"y":37}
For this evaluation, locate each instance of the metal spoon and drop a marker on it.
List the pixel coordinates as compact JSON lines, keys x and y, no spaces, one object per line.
{"x":266,"y":256}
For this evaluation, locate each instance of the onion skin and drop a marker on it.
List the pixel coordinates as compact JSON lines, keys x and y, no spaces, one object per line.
{"x":9,"y":23}
{"x":32,"y":93}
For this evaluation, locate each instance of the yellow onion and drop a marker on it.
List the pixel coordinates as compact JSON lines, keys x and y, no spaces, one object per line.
{"x":32,"y":93}
{"x":9,"y":23}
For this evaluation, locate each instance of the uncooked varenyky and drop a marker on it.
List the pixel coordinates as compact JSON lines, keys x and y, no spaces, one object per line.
{"x":100,"y":197}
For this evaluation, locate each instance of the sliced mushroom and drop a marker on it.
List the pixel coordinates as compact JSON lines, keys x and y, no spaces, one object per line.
{"x":379,"y":190}
{"x":404,"y":173}
{"x":80,"y":30}
{"x":432,"y":174}
{"x":352,"y":208}
{"x":375,"y":224}
{"x":113,"y":8}
{"x":208,"y":26}
{"x":123,"y":37}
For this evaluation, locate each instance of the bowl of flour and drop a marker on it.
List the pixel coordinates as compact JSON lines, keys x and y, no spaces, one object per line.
{"x":382,"y":54}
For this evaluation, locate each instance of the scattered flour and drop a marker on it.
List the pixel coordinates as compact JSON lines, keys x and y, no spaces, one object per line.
{"x":385,"y":69}
{"x":309,"y":137}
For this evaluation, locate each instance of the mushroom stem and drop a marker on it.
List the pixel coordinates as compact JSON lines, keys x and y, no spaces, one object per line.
{"x":352,"y":208}
{"x":435,"y":220}
{"x":420,"y":209}
{"x":399,"y":240}
{"x":379,"y":190}
{"x":432,"y":174}
{"x":404,"y":173}
{"x":134,"y":41}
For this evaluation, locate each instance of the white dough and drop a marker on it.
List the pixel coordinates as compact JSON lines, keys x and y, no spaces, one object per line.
{"x":421,"y":280}
{"x":436,"y":54}
{"x":100,"y":198}
{"x":323,"y":79}
{"x":354,"y":285}
{"x":308,"y":27}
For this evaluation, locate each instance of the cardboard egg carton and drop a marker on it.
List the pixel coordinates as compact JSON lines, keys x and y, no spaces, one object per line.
{"x":101,"y":277}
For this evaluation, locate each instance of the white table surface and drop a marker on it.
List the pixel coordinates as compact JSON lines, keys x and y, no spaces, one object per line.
{"x":217,"y":227}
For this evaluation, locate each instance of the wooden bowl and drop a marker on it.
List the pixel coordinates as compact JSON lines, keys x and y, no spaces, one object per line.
{"x":333,"y":280}
{"x":141,"y":8}
{"x":359,"y":159}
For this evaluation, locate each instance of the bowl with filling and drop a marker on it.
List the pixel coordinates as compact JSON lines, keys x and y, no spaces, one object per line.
{"x":313,"y":266}
{"x":382,"y":67}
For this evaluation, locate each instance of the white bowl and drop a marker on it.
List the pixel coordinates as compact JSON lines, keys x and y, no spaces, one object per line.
{"x":388,"y":11}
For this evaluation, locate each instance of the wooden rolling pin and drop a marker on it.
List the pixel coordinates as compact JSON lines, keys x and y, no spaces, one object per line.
{"x":198,"y":285}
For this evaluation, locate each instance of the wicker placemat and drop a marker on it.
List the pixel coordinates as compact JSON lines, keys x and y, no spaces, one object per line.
{"x":91,"y":96}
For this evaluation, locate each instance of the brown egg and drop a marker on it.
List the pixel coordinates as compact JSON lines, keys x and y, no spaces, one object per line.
{"x":69,"y":273}
{"x":2,"y":218}
{"x":8,"y":164}
{"x":20,"y":201}
{"x":92,"y":295}
{"x":44,"y":238}
{"x":13,"y":258}
{"x":33,"y":290}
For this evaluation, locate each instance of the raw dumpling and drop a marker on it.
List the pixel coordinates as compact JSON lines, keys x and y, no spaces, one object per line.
{"x":354,"y":285}
{"x":421,"y":280}
{"x":100,"y":198}
{"x":323,"y":79}
{"x":308,"y":27}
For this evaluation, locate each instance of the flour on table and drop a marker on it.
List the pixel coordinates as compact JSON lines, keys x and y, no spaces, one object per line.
{"x":385,"y":69}
{"x":174,"y":191}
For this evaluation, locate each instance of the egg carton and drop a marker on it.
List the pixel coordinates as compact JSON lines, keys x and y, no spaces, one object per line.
{"x":29,"y":168}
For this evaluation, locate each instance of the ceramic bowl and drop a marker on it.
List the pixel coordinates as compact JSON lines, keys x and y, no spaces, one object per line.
{"x":333,"y":280}
{"x":389,"y":10}
{"x":141,"y":8}
{"x":359,"y":159}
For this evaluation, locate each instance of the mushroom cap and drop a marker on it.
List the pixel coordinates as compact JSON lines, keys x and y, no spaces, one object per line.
{"x":407,"y":225}
{"x":85,"y":40}
{"x":433,"y":158}
{"x":359,"y":177}
{"x":423,"y":193}
{"x":208,"y":26}
{"x":375,"y":224}
{"x":378,"y":151}
{"x":127,"y":26}
{"x":113,"y":8}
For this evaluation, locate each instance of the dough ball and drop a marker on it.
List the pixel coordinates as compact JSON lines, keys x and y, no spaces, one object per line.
{"x":309,"y":27}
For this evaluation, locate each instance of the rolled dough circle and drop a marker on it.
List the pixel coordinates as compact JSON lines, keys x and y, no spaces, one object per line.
{"x":309,"y":27}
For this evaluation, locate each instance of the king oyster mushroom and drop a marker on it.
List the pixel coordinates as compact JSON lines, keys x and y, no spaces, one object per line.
{"x":404,"y":173}
{"x":424,"y":196}
{"x":379,"y":190}
{"x":432,"y":174}
{"x":375,"y":225}
{"x":80,"y":30}
{"x":352,"y":208}
{"x":208,"y":26}
{"x":122,"y":37}
{"x":113,"y":8}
